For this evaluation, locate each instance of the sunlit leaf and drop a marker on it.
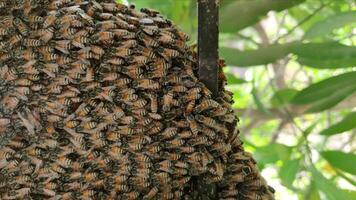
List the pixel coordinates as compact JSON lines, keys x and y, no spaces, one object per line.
{"x":351,"y":194}
{"x":348,"y":123}
{"x":288,"y":172}
{"x":341,"y":160}
{"x":325,"y":88}
{"x":272,"y":153}
{"x":332,"y":100}
{"x":312,"y":192}
{"x":327,"y":25}
{"x":331,"y":191}
{"x":241,"y":14}
{"x":233,"y":80}
{"x":283,"y":96}
{"x":261,"y":56}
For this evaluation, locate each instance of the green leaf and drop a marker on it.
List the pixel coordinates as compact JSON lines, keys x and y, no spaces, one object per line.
{"x":324,"y":88}
{"x":327,"y":50}
{"x":327,"y":63}
{"x":351,"y":193}
{"x":312,"y":193}
{"x":341,"y":160}
{"x":241,"y":14}
{"x":272,"y":153}
{"x":348,"y":123}
{"x":261,"y":56}
{"x":332,"y":100}
{"x":288,"y":172}
{"x":233,"y":80}
{"x":331,"y":191}
{"x":258,"y":102}
{"x":327,"y":25}
{"x":283,"y":96}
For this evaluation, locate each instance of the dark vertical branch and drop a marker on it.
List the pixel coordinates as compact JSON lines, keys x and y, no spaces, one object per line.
{"x":208,"y":33}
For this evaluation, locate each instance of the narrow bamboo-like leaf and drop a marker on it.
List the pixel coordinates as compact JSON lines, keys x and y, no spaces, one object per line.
{"x":333,"y":99}
{"x":325,"y":88}
{"x":325,"y":51}
{"x":288,"y":172}
{"x":283,"y":96}
{"x":244,"y":13}
{"x":341,"y":160}
{"x":331,"y":191}
{"x":327,"y":25}
{"x":261,"y":56}
{"x":327,"y":63}
{"x":348,"y":123}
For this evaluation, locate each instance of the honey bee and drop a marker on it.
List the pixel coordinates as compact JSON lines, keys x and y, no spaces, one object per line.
{"x":104,"y":36}
{"x":205,"y":105}
{"x":61,"y":60}
{"x":6,"y":152}
{"x":21,"y":26}
{"x":63,"y":45}
{"x":147,"y":84}
{"x":8,"y":74}
{"x":4,"y":31}
{"x":11,"y":102}
{"x":122,"y":52}
{"x":106,"y":16}
{"x":115,"y":61}
{"x":50,"y":19}
{"x":149,"y":41}
{"x":169,"y":133}
{"x":97,"y":50}
{"x":168,"y":54}
{"x":32,"y":42}
{"x":162,"y":178}
{"x":106,"y":25}
{"x":181,"y":182}
{"x":152,"y":149}
{"x":95,"y":7}
{"x":88,"y":193}
{"x":35,"y":19}
{"x":19,"y":193}
{"x":229,"y":118}
{"x":210,"y":122}
{"x":80,"y":41}
{"x":15,"y":39}
{"x":45,"y":34}
{"x":193,"y":125}
{"x":150,"y":12}
{"x":125,"y":130}
{"x":128,"y":44}
{"x":171,"y":156}
{"x":167,"y":101}
{"x":151,"y":194}
{"x":85,"y":53}
{"x":231,"y":191}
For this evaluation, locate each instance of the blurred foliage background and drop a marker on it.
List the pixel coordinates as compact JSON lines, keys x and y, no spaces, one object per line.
{"x":292,"y":68}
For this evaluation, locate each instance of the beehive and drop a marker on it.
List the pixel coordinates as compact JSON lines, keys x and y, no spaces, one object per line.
{"x":102,"y":101}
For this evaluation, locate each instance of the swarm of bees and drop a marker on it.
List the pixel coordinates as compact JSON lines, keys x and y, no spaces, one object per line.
{"x":102,"y":101}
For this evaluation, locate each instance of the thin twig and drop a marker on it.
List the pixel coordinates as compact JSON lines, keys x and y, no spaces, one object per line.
{"x":307,"y":18}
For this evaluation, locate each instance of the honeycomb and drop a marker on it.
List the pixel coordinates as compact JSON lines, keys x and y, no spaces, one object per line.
{"x":102,"y":101}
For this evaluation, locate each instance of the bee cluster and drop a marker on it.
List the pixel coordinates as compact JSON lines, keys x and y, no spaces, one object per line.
{"x":101,"y":101}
